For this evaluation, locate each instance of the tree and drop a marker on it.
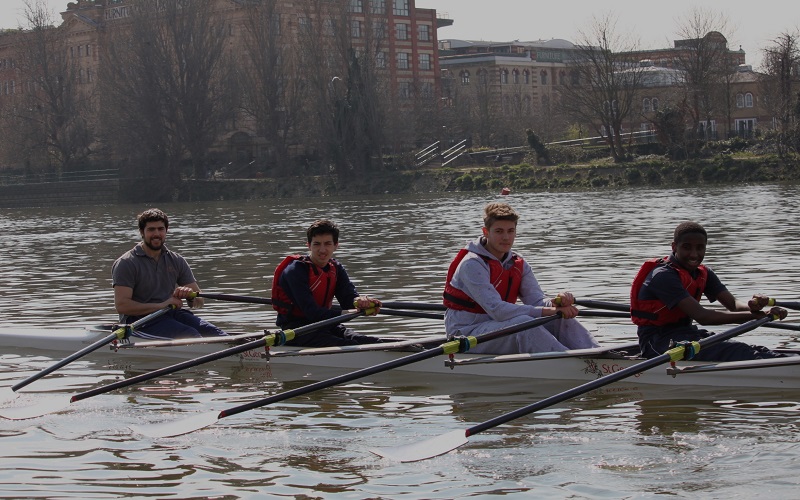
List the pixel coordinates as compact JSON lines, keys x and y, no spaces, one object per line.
{"x":602,"y":86}
{"x":780,"y":87}
{"x":271,"y":82}
{"x":167,"y":85}
{"x":52,"y":122}
{"x":705,"y":61}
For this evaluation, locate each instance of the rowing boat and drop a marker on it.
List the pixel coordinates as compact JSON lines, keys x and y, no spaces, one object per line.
{"x":575,"y":365}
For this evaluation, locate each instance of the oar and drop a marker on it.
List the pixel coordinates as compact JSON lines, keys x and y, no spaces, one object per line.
{"x":120,"y":333}
{"x":462,"y":344}
{"x":452,"y":440}
{"x":625,"y":307}
{"x":596,"y":304}
{"x":259,"y":300}
{"x":787,"y":305}
{"x":278,"y":338}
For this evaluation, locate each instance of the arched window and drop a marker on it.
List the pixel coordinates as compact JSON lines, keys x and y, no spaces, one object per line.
{"x":465,"y":77}
{"x":739,"y":100}
{"x":543,"y":77}
{"x":515,"y":76}
{"x":646,"y":106}
{"x":483,"y":76}
{"x":655,"y":104}
{"x":526,"y":77}
{"x":748,"y":100}
{"x":562,"y":78}
{"x":503,"y":76}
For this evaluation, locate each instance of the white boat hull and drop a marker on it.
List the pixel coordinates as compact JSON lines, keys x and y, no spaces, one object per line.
{"x":579,"y":366}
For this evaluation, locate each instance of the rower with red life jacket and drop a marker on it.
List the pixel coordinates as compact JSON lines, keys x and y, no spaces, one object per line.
{"x":484,"y":284}
{"x":665,"y":299}
{"x":303,"y":289}
{"x":505,"y":281}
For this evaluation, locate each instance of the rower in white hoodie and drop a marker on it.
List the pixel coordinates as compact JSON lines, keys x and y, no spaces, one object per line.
{"x":483,"y":285}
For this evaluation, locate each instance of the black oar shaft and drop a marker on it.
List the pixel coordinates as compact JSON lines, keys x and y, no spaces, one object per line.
{"x":395,"y":363}
{"x":86,"y":350}
{"x":788,"y":305}
{"x":235,"y":298}
{"x":207,"y":358}
{"x":596,"y":304}
{"x":610,"y":379}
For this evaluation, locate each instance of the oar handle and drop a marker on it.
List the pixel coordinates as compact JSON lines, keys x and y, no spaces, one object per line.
{"x":613,"y":377}
{"x":596,"y":304}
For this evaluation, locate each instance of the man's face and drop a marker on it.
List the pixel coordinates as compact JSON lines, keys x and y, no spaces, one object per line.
{"x":321,"y":249}
{"x":154,"y":235}
{"x":690,"y":250}
{"x":500,"y":237}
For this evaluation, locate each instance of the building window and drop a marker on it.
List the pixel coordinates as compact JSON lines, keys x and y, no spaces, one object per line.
{"x":424,"y":32}
{"x":515,"y":77}
{"x":380,"y":60}
{"x":404,"y":90}
{"x":748,"y":100}
{"x":426,"y":90}
{"x":402,"y":60}
{"x":526,"y":77}
{"x":503,"y":76}
{"x":378,"y":6}
{"x":562,"y":78}
{"x":646,"y":105}
{"x":356,"y":6}
{"x":739,"y":100}
{"x":543,"y":77}
{"x":655,"y":104}
{"x":379,"y":30}
{"x":424,"y":61}
{"x":400,"y":7}
{"x":355,"y":29}
{"x":401,"y":29}
{"x":304,"y":24}
{"x":465,"y":78}
{"x":483,"y":76}
{"x":575,"y":78}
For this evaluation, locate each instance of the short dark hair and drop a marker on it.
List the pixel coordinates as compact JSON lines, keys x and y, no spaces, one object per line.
{"x":152,"y":215}
{"x":687,"y":228}
{"x":498,"y":211}
{"x":323,"y":226}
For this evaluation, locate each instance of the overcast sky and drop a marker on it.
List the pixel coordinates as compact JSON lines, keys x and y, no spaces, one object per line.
{"x":654,"y":24}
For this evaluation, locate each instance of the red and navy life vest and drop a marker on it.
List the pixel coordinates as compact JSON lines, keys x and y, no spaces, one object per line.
{"x":322,"y":284}
{"x":654,"y":312}
{"x":505,"y":281}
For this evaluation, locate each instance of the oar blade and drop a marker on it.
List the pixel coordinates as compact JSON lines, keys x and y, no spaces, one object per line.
{"x":178,"y":427}
{"x":7,"y":394}
{"x":423,"y":450}
{"x":46,"y":407}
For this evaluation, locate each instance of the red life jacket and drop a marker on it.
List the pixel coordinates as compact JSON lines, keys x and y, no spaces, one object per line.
{"x":322,"y":284}
{"x":505,"y":281}
{"x":654,"y":312}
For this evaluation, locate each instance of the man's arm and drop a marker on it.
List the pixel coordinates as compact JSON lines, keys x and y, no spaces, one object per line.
{"x":124,"y":303}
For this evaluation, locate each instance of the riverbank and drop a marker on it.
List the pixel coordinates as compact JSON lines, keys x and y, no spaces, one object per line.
{"x":644,"y":172}
{"x":652,"y":171}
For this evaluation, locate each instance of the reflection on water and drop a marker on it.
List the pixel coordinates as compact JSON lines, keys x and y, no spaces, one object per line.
{"x":623,"y":440}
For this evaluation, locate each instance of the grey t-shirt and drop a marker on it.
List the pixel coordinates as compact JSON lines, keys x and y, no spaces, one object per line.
{"x":151,"y":281}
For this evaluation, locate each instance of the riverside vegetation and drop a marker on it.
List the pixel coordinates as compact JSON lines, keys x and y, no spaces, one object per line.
{"x":734,"y":161}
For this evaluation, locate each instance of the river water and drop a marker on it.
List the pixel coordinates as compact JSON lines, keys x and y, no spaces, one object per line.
{"x":623,"y":441}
